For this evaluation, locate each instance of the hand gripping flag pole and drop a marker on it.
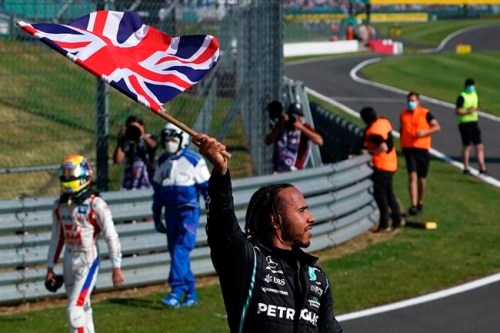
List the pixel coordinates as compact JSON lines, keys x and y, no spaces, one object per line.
{"x":138,"y":60}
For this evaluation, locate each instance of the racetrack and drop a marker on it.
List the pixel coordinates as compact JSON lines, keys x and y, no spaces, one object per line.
{"x":338,"y":79}
{"x":463,"y":309}
{"x":472,"y":307}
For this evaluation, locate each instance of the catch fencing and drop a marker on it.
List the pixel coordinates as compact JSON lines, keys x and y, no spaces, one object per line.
{"x":338,"y":195}
{"x":50,"y":108}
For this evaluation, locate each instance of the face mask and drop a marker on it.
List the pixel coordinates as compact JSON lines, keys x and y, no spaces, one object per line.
{"x":412,"y":105}
{"x":171,"y":147}
{"x":470,"y":89}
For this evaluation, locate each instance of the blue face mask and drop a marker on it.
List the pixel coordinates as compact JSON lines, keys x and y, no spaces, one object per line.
{"x":470,"y":89}
{"x":412,"y":105}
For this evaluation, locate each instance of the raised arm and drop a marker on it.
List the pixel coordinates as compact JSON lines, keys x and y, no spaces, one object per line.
{"x":212,"y":150}
{"x":230,"y":250}
{"x":310,"y":133}
{"x":118,"y":153}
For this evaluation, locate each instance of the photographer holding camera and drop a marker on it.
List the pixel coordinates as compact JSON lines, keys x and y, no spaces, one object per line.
{"x":292,"y":137}
{"x":136,"y":149}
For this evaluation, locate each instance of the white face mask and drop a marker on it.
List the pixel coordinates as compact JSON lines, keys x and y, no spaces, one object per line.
{"x":172,"y":146}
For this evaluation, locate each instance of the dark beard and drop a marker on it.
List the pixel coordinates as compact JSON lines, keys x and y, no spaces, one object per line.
{"x":294,"y":237}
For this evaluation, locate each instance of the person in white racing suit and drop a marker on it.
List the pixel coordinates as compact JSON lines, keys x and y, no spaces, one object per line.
{"x":79,"y":217}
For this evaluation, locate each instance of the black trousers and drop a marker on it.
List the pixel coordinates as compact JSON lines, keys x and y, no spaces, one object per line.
{"x":385,"y":198}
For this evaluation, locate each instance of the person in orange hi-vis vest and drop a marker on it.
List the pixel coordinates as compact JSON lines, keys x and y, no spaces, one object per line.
{"x":417,"y":125}
{"x":378,"y":141}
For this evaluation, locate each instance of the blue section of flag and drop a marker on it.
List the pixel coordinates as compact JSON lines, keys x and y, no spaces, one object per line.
{"x":145,"y":64}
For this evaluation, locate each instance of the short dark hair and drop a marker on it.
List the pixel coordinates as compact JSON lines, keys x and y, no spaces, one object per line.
{"x":413,"y":93}
{"x":131,"y":119}
{"x":263,"y":204}
{"x":368,"y":114}
{"x":469,"y":82}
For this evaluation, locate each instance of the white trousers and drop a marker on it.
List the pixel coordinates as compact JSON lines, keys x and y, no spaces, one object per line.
{"x":79,"y":279}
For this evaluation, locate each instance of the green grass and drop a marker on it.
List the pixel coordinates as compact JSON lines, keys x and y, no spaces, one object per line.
{"x":137,"y":314}
{"x":422,"y":35}
{"x":442,"y":76}
{"x":48,"y":108}
{"x":416,"y":262}
{"x":413,"y":262}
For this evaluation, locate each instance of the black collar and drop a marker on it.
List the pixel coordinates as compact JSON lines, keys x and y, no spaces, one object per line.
{"x":294,"y":254}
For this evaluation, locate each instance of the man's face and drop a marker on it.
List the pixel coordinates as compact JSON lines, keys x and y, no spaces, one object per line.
{"x":171,"y":144}
{"x":413,"y":102}
{"x":296,"y":219}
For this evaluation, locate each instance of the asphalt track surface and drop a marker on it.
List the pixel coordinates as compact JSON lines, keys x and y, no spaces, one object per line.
{"x":338,"y":79}
{"x":471,"y":308}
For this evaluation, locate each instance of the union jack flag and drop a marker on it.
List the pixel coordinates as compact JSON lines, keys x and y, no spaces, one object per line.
{"x":142,"y":62}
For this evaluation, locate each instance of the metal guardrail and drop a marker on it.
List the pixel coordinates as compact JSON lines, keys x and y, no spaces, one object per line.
{"x":339,"y":196}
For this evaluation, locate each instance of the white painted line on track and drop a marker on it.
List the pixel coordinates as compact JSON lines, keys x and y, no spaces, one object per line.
{"x":443,"y":293}
{"x":422,"y":299}
{"x":429,"y":297}
{"x":487,"y":179}
{"x":333,"y":102}
{"x":474,"y":172}
{"x":367,"y":99}
{"x":456,"y":33}
{"x":354,"y":75}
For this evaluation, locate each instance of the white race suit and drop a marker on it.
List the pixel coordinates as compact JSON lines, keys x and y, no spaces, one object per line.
{"x":77,"y":228}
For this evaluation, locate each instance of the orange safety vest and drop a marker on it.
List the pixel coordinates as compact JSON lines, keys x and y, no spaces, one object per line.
{"x":386,"y":161}
{"x":411,"y":122}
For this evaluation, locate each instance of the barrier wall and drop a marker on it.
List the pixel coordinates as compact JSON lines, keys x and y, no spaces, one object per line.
{"x":320,"y":48}
{"x":339,"y":196}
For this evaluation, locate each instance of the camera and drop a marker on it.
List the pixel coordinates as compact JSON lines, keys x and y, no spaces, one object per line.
{"x":130,"y":141}
{"x":291,"y":120}
{"x":275,"y":111}
{"x":132,"y":133}
{"x":294,"y":111}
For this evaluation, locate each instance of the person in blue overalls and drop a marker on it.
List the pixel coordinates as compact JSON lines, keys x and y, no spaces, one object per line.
{"x":179,"y":180}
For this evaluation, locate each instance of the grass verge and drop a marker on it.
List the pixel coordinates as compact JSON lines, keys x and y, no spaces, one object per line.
{"x":424,"y":35}
{"x":442,"y":76}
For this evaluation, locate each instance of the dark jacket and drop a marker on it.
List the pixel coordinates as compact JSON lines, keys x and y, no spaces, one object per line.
{"x":264,"y":289}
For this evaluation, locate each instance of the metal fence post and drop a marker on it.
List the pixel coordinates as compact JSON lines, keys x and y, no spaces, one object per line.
{"x":102,"y":125}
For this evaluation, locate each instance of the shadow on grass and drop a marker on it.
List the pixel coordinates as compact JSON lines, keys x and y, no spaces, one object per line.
{"x":138,"y":303}
{"x":15,"y":319}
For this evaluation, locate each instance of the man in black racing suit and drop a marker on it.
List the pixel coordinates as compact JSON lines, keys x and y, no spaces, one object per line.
{"x":268,"y":283}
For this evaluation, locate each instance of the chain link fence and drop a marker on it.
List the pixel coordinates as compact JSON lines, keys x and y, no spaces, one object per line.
{"x":50,"y":108}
